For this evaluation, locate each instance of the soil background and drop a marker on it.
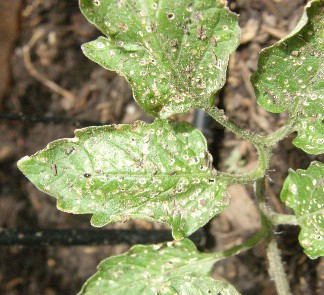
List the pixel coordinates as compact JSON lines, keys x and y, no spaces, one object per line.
{"x":44,"y":74}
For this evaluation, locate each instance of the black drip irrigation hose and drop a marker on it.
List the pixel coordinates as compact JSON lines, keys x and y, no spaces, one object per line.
{"x":34,"y":118}
{"x":203,"y":122}
{"x":79,"y":237}
{"x":88,"y":237}
{"x":206,"y":125}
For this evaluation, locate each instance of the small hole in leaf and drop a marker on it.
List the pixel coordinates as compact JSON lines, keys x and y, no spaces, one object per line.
{"x":170,"y":16}
{"x":96,"y":2}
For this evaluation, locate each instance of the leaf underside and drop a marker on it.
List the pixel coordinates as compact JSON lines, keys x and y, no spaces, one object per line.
{"x":291,"y":74}
{"x":153,"y":270}
{"x":173,"y":53}
{"x":160,"y":172}
{"x":303,"y":191}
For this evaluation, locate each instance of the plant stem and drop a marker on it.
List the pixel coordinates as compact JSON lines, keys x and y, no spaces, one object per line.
{"x":257,"y":140}
{"x":266,"y":140}
{"x":260,"y":171}
{"x":277,"y":219}
{"x":272,"y":138}
{"x":270,"y":215}
{"x":221,"y":118}
{"x":248,"y":244}
{"x":276,"y":269}
{"x":265,"y":211}
{"x":282,"y":132}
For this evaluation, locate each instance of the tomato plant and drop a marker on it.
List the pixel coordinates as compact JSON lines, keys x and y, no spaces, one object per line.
{"x":174,"y":54}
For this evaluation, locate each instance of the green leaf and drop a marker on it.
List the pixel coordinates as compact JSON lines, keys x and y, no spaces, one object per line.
{"x":173,"y":53}
{"x":193,"y":284}
{"x":144,"y":269}
{"x":160,"y":172}
{"x":303,"y":191}
{"x":291,"y":74}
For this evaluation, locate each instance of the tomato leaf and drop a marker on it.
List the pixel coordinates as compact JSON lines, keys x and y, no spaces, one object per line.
{"x":145,"y":269}
{"x":173,"y":53}
{"x":160,"y":172}
{"x":303,"y":191}
{"x":291,"y":74}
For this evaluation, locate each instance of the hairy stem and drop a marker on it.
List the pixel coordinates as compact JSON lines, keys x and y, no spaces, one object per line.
{"x":221,"y":118}
{"x":282,"y":132}
{"x":272,"y":138}
{"x":260,"y":171}
{"x":277,"y":219}
{"x":257,"y":140}
{"x":267,"y":212}
{"x":266,"y":140}
{"x":264,"y":209}
{"x":276,"y":269}
{"x":269,"y":218}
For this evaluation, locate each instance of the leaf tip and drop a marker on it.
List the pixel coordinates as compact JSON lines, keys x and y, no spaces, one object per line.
{"x":22,"y":162}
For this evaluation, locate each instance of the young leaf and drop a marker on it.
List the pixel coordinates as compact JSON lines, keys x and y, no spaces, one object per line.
{"x":160,"y":172}
{"x":144,"y":269}
{"x":193,"y":284}
{"x":290,"y":75}
{"x":173,"y":53}
{"x":303,"y":191}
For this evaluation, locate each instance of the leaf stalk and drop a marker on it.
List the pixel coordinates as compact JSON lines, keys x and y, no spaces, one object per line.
{"x":248,"y":244}
{"x":260,"y":171}
{"x":219,"y":115}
